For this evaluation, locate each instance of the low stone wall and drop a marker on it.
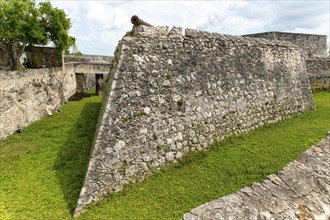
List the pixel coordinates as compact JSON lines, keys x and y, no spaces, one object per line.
{"x":300,"y":191}
{"x":169,"y":94}
{"x":319,"y":73}
{"x":29,"y":95}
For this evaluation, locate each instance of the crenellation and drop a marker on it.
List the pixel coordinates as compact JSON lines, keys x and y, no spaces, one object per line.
{"x":192,"y":33}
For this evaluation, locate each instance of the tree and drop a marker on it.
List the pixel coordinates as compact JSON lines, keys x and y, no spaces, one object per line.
{"x":23,"y":23}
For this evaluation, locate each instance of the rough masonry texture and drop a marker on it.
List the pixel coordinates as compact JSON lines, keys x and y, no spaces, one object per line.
{"x":301,"y":190}
{"x":90,"y":71}
{"x":169,"y":94}
{"x":319,"y":73}
{"x":314,"y":49}
{"x":27,"y":96}
{"x":30,"y":94}
{"x":312,"y":45}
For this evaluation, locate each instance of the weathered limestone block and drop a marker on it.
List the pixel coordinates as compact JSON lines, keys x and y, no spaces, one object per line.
{"x":145,"y":30}
{"x":175,"y":31}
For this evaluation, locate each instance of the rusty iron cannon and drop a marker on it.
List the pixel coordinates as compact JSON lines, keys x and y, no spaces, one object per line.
{"x":137,"y":21}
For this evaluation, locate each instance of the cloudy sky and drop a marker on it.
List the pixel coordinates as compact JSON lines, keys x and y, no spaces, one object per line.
{"x":99,"y":25}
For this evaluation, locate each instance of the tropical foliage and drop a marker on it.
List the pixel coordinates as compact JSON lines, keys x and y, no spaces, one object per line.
{"x":23,"y":22}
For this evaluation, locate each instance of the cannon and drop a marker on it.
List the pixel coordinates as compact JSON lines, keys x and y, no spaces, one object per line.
{"x":137,"y":21}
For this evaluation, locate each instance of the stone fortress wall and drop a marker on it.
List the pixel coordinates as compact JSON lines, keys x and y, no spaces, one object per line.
{"x":169,"y":94}
{"x":83,"y":73}
{"x":312,"y":45}
{"x":318,"y":69}
{"x":96,"y":59}
{"x":90,"y":70}
{"x":314,"y":49}
{"x":27,"y":96}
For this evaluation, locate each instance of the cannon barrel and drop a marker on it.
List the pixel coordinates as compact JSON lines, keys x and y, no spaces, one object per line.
{"x":137,"y":21}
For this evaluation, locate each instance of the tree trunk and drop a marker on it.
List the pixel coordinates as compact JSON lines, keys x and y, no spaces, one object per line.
{"x":15,"y":54}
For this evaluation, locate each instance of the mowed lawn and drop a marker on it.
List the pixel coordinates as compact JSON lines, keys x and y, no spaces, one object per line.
{"x":42,"y":169}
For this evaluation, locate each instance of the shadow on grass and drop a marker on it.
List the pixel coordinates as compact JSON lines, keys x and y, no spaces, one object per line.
{"x":72,"y":160}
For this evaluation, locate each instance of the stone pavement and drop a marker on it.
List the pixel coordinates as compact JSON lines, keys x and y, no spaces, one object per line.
{"x":301,"y":190}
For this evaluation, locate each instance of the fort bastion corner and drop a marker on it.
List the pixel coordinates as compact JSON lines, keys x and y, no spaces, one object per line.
{"x":170,"y":93}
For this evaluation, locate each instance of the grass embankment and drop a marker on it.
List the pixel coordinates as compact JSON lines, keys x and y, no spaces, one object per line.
{"x":42,"y":169}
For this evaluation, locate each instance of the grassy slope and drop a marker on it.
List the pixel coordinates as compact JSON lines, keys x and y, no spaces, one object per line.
{"x":42,"y":169}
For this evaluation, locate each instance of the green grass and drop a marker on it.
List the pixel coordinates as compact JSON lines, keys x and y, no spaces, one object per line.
{"x":42,"y":169}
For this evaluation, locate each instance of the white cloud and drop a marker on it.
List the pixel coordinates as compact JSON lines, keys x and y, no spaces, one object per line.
{"x":99,"y":25}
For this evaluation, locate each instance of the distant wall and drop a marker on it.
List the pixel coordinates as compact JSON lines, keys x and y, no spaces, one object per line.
{"x":90,"y":71}
{"x":169,"y":94}
{"x":86,"y":75}
{"x":29,"y":95}
{"x":313,"y":45}
{"x":319,"y":73}
{"x":87,"y":59}
{"x":39,"y":57}
{"x":93,"y":68}
{"x":87,"y":82}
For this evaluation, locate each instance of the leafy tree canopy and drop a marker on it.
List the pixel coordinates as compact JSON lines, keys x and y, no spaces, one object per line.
{"x":23,"y":22}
